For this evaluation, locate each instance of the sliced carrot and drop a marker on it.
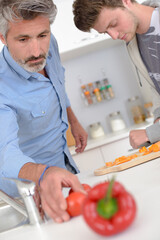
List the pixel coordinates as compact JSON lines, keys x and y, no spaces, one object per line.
{"x":124,"y":160}
{"x":155,"y":147}
{"x":109,"y":164}
{"x":134,"y":156}
{"x":143,"y":149}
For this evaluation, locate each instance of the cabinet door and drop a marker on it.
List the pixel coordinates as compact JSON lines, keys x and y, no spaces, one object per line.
{"x":91,"y":159}
{"x":115,"y":149}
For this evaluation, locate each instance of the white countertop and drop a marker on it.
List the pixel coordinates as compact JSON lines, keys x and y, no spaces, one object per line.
{"x":110,"y":137}
{"x":142,"y":181}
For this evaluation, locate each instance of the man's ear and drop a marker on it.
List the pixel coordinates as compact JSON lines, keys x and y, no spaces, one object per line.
{"x":126,"y":3}
{"x":2,"y":38}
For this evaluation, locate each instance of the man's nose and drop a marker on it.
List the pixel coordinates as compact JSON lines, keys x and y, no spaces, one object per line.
{"x":113,"y":33}
{"x":35,"y":48}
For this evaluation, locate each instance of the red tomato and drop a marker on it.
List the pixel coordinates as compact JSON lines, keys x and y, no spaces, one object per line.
{"x":85,"y":186}
{"x":74,"y":203}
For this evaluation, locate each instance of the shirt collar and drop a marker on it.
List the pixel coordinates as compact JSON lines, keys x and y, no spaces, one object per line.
{"x":14,"y":65}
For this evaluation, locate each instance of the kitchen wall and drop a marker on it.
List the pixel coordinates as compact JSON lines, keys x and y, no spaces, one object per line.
{"x":88,"y":68}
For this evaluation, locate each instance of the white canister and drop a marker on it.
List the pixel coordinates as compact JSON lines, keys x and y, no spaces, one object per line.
{"x":116,"y":121}
{"x":96,"y":130}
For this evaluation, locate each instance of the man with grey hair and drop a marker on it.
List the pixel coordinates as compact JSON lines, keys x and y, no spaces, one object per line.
{"x":34,"y":107}
{"x":139,"y":26}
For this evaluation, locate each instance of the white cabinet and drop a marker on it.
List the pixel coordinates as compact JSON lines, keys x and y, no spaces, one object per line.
{"x":91,"y":159}
{"x":115,"y":149}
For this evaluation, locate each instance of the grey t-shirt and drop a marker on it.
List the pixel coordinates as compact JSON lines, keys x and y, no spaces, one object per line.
{"x":149,"y":47}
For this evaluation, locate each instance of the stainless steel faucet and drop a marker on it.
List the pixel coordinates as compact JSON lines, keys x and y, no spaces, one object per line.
{"x":27,"y":191}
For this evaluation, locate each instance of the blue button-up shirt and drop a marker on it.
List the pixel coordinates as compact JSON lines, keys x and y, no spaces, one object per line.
{"x":33,"y":116}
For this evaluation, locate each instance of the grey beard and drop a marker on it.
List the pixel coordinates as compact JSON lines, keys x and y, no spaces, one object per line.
{"x":35,"y":68}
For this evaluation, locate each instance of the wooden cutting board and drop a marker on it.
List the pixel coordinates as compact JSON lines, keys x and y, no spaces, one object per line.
{"x":134,"y":162}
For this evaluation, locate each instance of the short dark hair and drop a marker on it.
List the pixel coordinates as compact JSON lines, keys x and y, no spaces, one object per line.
{"x":86,"y":12}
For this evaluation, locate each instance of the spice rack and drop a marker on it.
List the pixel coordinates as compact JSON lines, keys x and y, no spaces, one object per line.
{"x":96,"y":92}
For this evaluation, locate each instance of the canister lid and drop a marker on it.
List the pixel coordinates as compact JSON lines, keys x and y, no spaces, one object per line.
{"x":133,"y":98}
{"x":114,"y":114}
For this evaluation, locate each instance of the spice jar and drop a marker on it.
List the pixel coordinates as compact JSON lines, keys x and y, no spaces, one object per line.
{"x":110,"y":90}
{"x":116,"y":121}
{"x":103,"y":92}
{"x":91,"y":89}
{"x":88,"y":97}
{"x":136,"y":110}
{"x":97,"y":94}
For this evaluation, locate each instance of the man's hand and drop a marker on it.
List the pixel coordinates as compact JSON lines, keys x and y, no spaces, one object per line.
{"x":78,"y":131}
{"x":52,"y":199}
{"x":80,"y":136}
{"x":138,"y":137}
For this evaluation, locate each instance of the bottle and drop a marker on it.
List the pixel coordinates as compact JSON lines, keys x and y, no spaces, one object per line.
{"x":98,"y":84}
{"x":88,"y":97}
{"x":136,"y":110}
{"x":97,"y":94}
{"x":106,"y":83}
{"x":103,"y":92}
{"x":116,"y":121}
{"x":91,"y":89}
{"x":110,"y":90}
{"x":83,"y":90}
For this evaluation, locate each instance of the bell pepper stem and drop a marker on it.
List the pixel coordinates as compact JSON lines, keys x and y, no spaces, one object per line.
{"x":109,"y":191}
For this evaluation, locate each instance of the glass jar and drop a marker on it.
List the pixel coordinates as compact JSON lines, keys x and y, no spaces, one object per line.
{"x":97,"y":94}
{"x":136,"y":110}
{"x":116,"y":121}
{"x":110,"y":90}
{"x":96,"y":130}
{"x":103,"y":92}
{"x":148,"y":107}
{"x":88,"y":97}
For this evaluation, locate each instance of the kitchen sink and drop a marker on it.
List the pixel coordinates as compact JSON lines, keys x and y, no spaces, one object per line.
{"x":10,"y":218}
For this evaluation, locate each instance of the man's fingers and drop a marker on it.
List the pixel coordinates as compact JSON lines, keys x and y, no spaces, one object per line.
{"x":57,"y":214}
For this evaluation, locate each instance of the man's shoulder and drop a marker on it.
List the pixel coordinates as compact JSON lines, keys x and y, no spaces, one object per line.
{"x":4,"y":67}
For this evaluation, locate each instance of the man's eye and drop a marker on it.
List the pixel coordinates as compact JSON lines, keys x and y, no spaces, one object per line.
{"x":43,"y":35}
{"x":22,"y":39}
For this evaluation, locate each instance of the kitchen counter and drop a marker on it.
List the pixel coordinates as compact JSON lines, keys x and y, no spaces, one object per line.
{"x":142,"y":181}
{"x":111,"y":137}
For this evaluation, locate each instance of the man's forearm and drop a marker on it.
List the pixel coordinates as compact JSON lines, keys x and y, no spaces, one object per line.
{"x":31,"y":171}
{"x":71,"y":116}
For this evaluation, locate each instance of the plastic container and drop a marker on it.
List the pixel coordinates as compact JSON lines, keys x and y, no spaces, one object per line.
{"x":136,"y":109}
{"x":116,"y":121}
